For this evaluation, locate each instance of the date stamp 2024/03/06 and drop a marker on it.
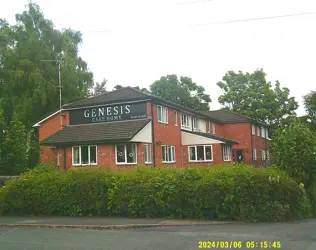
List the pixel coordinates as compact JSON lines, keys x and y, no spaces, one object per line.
{"x":239,"y":244}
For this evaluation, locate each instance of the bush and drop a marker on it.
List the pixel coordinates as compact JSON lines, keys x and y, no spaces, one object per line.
{"x":222,"y":193}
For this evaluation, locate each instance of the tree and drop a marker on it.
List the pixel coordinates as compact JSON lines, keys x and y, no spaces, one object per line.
{"x":251,"y":95}
{"x":310,"y":107}
{"x":144,"y":90}
{"x":99,"y":88}
{"x":116,"y":87}
{"x":293,"y":149}
{"x":182,"y":91}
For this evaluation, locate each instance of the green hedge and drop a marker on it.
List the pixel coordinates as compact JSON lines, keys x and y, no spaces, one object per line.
{"x":222,"y":193}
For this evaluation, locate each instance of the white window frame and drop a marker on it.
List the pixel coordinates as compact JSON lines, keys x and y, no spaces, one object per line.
{"x":258,"y":131}
{"x":253,"y":129}
{"x":147,"y":153}
{"x":262,"y":132}
{"x":196,"y":153}
{"x":173,"y":153}
{"x":96,"y":157}
{"x":263,"y":154}
{"x":175,"y":115}
{"x":213,"y":128}
{"x":208,"y":127}
{"x":226,"y":149}
{"x":187,"y":122}
{"x":125,"y":153}
{"x":254,"y":154}
{"x":163,"y":114}
{"x":266,"y":133}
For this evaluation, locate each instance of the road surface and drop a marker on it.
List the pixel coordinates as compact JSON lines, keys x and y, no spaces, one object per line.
{"x":296,"y":236}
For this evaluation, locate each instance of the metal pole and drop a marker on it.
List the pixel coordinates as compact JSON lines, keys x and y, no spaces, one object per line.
{"x":59,"y":81}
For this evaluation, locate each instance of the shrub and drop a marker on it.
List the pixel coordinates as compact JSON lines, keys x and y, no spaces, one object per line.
{"x":222,"y":193}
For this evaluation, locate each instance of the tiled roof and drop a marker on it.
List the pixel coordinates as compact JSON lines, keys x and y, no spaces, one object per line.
{"x":211,"y":136}
{"x":226,"y":116}
{"x":101,"y":132}
{"x":123,"y":94}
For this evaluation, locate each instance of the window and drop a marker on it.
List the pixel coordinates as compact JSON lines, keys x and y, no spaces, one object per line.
{"x":126,"y":153}
{"x":262,"y":132}
{"x":185,"y":121}
{"x":175,"y":118}
{"x":147,"y":153}
{"x":253,"y":129}
{"x":84,"y":155}
{"x":195,"y":123}
{"x":208,"y":127}
{"x":162,"y":114}
{"x":258,"y":131}
{"x":267,"y":134}
{"x":168,"y":154}
{"x":263,"y":154}
{"x":200,"y":153}
{"x":254,"y":154}
{"x":213,"y":128}
{"x":226,"y":153}
{"x":268,"y":155}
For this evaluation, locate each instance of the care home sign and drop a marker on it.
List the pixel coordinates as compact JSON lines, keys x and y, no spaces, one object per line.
{"x":111,"y":113}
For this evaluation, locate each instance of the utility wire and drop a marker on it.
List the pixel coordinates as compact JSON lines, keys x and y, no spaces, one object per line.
{"x":255,"y":19}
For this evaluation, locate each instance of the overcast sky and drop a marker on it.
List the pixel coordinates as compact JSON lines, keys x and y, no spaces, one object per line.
{"x":136,"y":42}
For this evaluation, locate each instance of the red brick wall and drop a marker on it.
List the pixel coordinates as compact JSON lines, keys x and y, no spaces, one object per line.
{"x":167,"y":134}
{"x":259,"y":143}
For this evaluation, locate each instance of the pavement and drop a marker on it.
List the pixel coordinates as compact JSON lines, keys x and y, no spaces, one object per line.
{"x":298,"y":235}
{"x":96,"y":222}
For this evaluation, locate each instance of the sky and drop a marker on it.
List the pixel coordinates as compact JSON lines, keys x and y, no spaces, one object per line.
{"x":134,"y":43}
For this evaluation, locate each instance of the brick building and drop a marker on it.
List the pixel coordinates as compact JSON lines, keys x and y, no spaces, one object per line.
{"x":126,"y":127}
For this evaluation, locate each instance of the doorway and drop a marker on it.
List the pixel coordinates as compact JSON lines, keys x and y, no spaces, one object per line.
{"x":238,"y":156}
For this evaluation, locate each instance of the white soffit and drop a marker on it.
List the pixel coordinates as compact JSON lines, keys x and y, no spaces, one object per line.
{"x":192,"y":139}
{"x":145,"y":135}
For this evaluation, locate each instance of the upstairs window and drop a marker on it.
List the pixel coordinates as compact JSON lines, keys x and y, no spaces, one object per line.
{"x":185,"y":121}
{"x":162,"y":114}
{"x":253,"y":129}
{"x":267,"y":135}
{"x":258,"y":131}
{"x":195,"y":123}
{"x":175,"y":118}
{"x":208,"y":127}
{"x":213,"y":128}
{"x":262,"y":132}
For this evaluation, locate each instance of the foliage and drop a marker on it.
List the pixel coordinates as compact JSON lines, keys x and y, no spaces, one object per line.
{"x":310,"y":106}
{"x":29,"y":85}
{"x":222,"y":193}
{"x":250,"y":94}
{"x":116,"y":87}
{"x":182,"y":91}
{"x":293,"y":149}
{"x":99,"y":88}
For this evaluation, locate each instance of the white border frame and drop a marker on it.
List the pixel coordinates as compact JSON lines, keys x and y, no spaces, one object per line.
{"x":90,"y":164}
{"x":174,"y":154}
{"x":230,"y":152}
{"x":195,"y":146}
{"x":162,"y":108}
{"x":150,"y":151}
{"x":125,"y":163}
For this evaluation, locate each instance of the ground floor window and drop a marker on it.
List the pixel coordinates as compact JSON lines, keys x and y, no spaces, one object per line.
{"x":147,"y":153}
{"x":226,"y":153}
{"x":168,"y":154}
{"x":254,"y":154}
{"x":126,"y":153}
{"x":84,"y":155}
{"x":263,"y":155}
{"x":200,"y":153}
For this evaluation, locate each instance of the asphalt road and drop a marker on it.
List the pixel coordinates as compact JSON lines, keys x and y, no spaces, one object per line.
{"x":298,"y":235}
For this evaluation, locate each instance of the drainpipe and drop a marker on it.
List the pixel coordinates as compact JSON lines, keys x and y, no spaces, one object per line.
{"x":153,"y":134}
{"x":251,"y":144}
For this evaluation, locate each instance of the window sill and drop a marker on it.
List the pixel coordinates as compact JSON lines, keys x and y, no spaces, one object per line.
{"x":201,"y":161}
{"x":148,"y":163}
{"x":162,"y":122}
{"x":125,"y":163}
{"x":167,"y":162}
{"x":79,"y":165}
{"x":227,"y":160}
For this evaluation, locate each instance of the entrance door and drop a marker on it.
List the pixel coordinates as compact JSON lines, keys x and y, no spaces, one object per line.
{"x":239,"y":156}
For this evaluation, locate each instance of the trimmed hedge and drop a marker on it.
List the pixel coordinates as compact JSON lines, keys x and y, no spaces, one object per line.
{"x":217,"y":193}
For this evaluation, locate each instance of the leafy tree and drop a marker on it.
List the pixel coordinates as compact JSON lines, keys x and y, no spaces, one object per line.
{"x":293,"y":149}
{"x":116,"y":87}
{"x":182,"y":91}
{"x":251,"y":95}
{"x":99,"y":88}
{"x":310,"y":106}
{"x":144,"y":90}
{"x":14,"y":157}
